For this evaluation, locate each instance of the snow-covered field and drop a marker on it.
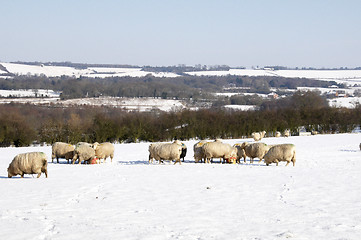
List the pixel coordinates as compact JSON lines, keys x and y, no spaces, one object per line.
{"x":347,"y":102}
{"x":139,"y":104}
{"x":340,"y":76}
{"x":241,"y":107}
{"x":56,"y":71}
{"x":129,"y":104}
{"x":350,"y":77}
{"x":319,"y":198}
{"x":29,"y":93}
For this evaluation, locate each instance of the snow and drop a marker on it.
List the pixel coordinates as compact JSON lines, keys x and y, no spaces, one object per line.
{"x":49,"y":71}
{"x":339,"y":76}
{"x":130,"y":104}
{"x":93,"y":72}
{"x":139,"y":104}
{"x":347,"y":102}
{"x":319,"y":198}
{"x":29,"y":93}
{"x":241,"y":107}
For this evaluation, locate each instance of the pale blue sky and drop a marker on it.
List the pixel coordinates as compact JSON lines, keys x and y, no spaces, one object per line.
{"x":307,"y":33}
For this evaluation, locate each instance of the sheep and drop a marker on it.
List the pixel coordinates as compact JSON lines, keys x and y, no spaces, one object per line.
{"x":278,"y":134}
{"x":240,"y":152}
{"x":184,"y":151}
{"x":258,"y":135}
{"x":220,"y":150}
{"x":83,"y":152}
{"x":152,"y":152}
{"x":198,"y":151}
{"x":62,"y":150}
{"x":254,"y":150}
{"x":314,"y":132}
{"x":84,"y":144}
{"x":28,"y":163}
{"x":287,"y":133}
{"x":166,"y":151}
{"x":281,"y":152}
{"x":104,"y":150}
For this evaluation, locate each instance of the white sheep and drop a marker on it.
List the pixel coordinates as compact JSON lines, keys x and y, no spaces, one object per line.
{"x":28,"y":163}
{"x":219,"y":150}
{"x":62,"y":150}
{"x":254,"y":150}
{"x":104,"y":150}
{"x":166,"y":151}
{"x":287,"y":133}
{"x":152,"y":151}
{"x":281,"y":152}
{"x":278,"y":134}
{"x":240,"y":152}
{"x":83,"y":153}
{"x":84,"y":144}
{"x":257,"y":136}
{"x":198,"y":151}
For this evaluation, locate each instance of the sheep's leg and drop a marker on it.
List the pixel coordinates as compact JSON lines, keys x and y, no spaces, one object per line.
{"x":276,"y":161}
{"x":38,"y":175}
{"x":293,"y":160}
{"x":288,"y":162}
{"x":251,"y":161}
{"x":57,"y":159}
{"x":46,"y":173}
{"x":22,"y":175}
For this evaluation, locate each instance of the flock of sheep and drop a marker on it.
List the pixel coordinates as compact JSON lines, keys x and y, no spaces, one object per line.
{"x":36,"y":162}
{"x":206,"y":151}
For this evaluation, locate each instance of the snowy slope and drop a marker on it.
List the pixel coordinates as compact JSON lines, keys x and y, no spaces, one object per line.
{"x":49,"y":71}
{"x":347,"y":102}
{"x":130,"y":104}
{"x":340,"y":76}
{"x":94,"y":72}
{"x":319,"y":198}
{"x":29,"y":93}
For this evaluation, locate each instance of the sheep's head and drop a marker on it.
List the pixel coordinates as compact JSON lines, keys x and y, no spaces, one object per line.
{"x":244,"y":144}
{"x":232,"y":154}
{"x":9,"y":173}
{"x":95,"y":145}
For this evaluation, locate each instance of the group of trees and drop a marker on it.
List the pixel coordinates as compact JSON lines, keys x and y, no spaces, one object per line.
{"x":185,"y":87}
{"x":22,"y":125}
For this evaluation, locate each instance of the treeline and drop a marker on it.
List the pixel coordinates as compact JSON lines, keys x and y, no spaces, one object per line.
{"x":76,"y":65}
{"x":185,"y":87}
{"x":21,"y":125}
